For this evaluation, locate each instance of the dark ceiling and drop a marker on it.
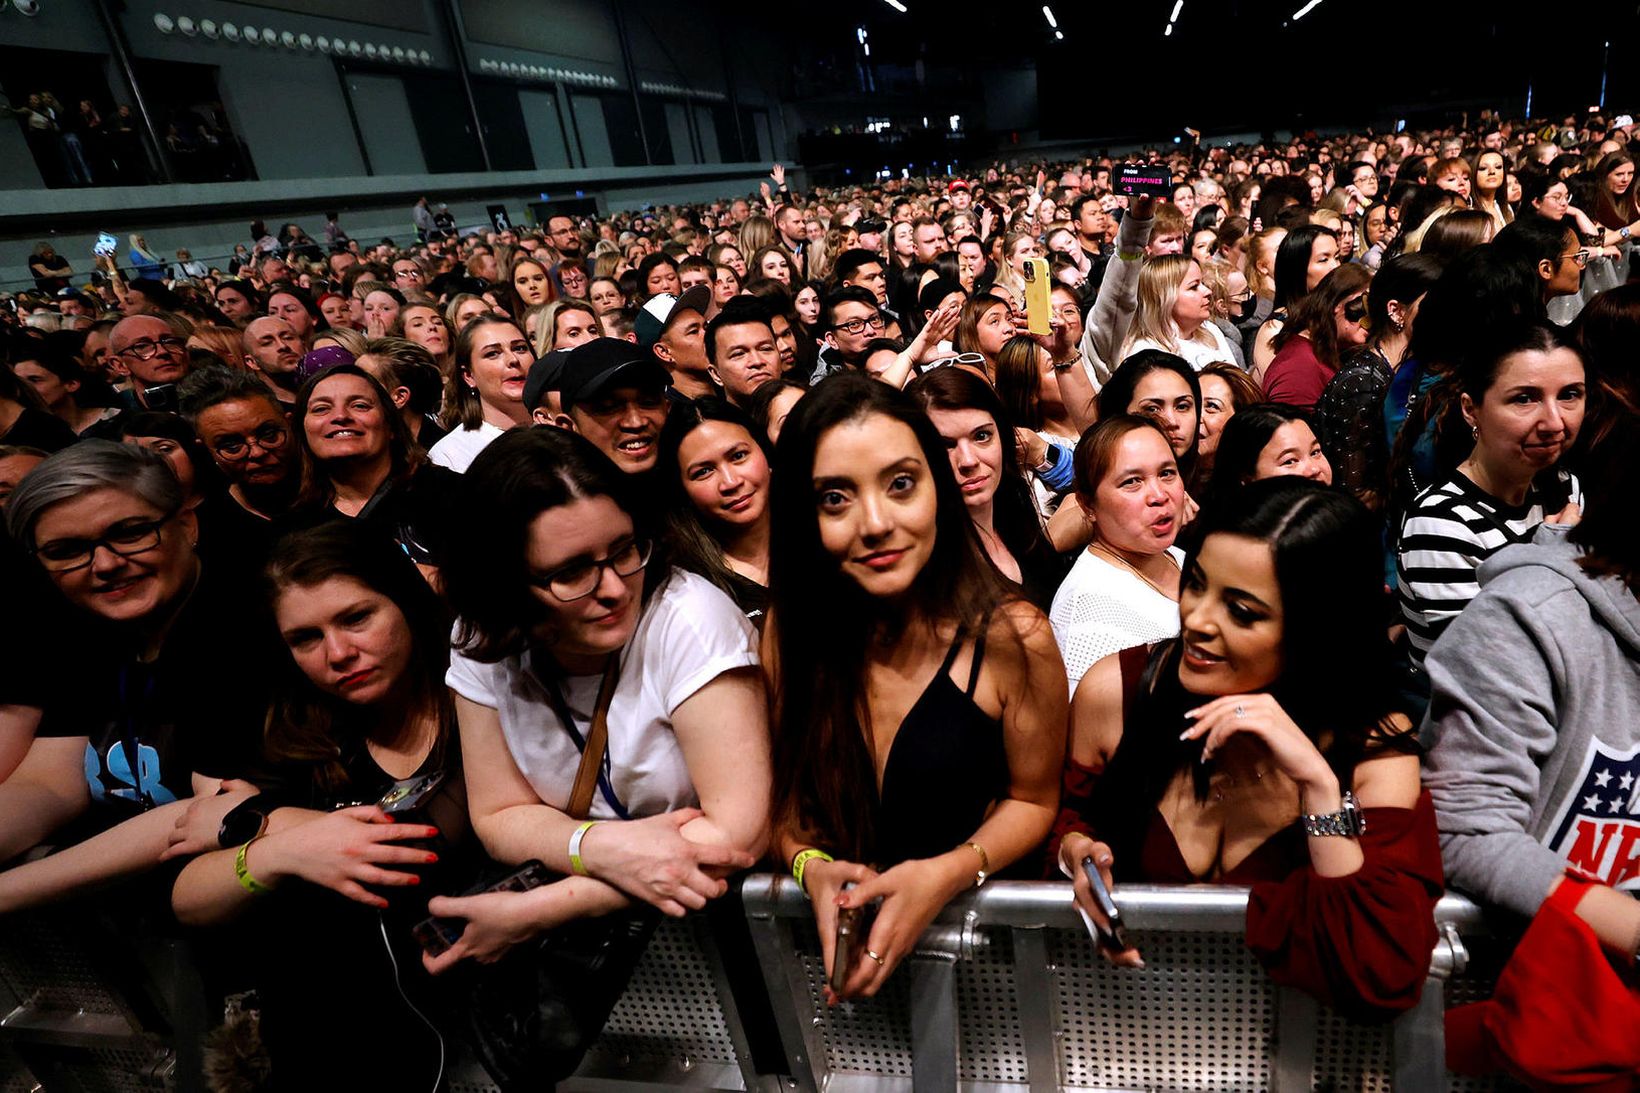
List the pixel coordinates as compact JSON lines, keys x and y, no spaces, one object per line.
{"x":1240,"y":65}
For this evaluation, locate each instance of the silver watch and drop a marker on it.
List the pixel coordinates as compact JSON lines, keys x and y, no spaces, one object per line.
{"x":1349,"y":821}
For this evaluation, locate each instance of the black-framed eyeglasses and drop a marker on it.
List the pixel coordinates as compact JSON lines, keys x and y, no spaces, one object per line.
{"x":269,"y":438}
{"x":859,"y":326}
{"x":148,"y":350}
{"x":581,"y":579}
{"x":125,"y":539}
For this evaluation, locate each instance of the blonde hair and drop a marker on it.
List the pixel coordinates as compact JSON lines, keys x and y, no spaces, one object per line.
{"x":1159,"y":280}
{"x":1256,"y":280}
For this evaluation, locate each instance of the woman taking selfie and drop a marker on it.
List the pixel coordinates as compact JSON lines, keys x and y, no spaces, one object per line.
{"x":919,"y":710}
{"x":326,"y":890}
{"x":572,"y":631}
{"x":1293,"y":772}
{"x":717,"y":506}
{"x":484,"y":393}
{"x":983,"y":456}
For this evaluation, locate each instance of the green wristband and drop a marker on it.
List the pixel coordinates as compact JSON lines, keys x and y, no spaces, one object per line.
{"x":801,"y":862}
{"x":243,"y":873}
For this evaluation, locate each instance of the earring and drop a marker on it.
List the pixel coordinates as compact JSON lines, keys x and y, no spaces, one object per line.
{"x":1475,"y":432}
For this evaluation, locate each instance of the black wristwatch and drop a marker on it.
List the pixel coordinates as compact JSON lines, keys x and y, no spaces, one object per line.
{"x":244,"y":823}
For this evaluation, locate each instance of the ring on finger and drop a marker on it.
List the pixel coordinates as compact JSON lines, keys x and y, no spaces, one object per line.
{"x":875,"y":957}
{"x":1240,"y":711}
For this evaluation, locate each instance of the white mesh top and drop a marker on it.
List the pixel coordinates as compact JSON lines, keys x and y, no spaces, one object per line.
{"x":1101,"y":609}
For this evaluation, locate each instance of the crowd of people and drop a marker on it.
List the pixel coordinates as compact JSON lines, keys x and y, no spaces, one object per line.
{"x":417,"y":622}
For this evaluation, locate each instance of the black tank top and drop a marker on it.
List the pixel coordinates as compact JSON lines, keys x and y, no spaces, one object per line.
{"x":946,"y":767}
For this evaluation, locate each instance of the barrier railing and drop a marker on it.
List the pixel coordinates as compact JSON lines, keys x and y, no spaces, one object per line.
{"x":1005,"y":992}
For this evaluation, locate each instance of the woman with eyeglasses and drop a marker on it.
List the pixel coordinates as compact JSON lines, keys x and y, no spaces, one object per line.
{"x":159,"y":707}
{"x":574,"y":631}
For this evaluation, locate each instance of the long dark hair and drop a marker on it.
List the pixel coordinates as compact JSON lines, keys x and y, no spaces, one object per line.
{"x":1292,"y":268}
{"x":692,"y":544}
{"x":306,"y":726}
{"x":1013,"y":510}
{"x":405,"y":454}
{"x":1313,"y":315}
{"x":518,"y":476}
{"x":1117,"y":394}
{"x":1336,"y":681}
{"x":1606,"y":332}
{"x":825,"y":779}
{"x":1243,"y":438}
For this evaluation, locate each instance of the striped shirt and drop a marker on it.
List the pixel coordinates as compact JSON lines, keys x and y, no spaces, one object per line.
{"x":1449,"y":531}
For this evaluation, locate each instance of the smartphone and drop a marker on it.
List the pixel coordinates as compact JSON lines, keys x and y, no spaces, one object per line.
{"x":853,"y":927}
{"x":1144,"y":178}
{"x":1038,"y":287}
{"x":436,"y":935}
{"x":408,"y":794}
{"x":1114,"y":936}
{"x":161,"y":396}
{"x":105,"y":246}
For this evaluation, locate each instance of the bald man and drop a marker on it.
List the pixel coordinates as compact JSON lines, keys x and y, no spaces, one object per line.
{"x":273,"y":348}
{"x":153,"y":356}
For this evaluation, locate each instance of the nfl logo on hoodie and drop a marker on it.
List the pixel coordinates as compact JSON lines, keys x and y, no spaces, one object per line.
{"x":1598,"y":830}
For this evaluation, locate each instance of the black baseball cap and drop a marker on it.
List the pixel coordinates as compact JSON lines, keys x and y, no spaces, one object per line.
{"x":544,"y":376}
{"x":594,"y":367}
{"x":872,"y":224}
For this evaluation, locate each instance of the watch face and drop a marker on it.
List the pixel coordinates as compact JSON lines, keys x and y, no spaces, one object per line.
{"x":240,"y":826}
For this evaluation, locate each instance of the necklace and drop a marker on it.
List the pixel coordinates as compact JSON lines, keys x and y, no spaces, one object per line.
{"x":1133,"y":569}
{"x":1222,"y":781}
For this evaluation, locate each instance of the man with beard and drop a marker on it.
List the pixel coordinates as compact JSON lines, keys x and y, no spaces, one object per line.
{"x":273,"y":348}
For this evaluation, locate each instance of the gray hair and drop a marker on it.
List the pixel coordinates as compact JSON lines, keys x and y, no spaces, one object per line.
{"x":90,"y":465}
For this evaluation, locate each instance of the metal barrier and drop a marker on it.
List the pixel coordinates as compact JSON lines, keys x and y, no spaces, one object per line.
{"x":1004,"y":993}
{"x":1007,"y":993}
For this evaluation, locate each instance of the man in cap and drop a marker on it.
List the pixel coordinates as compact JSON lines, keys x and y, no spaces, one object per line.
{"x":673,"y":329}
{"x":614,"y":394}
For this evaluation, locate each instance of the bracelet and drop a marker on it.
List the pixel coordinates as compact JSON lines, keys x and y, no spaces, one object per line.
{"x":575,"y":862}
{"x":984,"y":870}
{"x":243,"y":873}
{"x":801,"y":862}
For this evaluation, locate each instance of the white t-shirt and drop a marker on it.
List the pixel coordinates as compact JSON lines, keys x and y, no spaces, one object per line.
{"x":1199,"y":353}
{"x":1102,"y":608}
{"x":689,"y":634}
{"x":457,"y":450}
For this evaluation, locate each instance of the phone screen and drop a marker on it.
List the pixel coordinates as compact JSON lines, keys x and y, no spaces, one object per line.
{"x":106,"y":246}
{"x":1144,"y":178}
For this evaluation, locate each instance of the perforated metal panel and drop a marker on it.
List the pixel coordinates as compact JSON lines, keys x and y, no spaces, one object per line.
{"x":1200,"y":1016}
{"x":670,"y":1011}
{"x":862,"y":1036}
{"x":1351,"y":1057}
{"x":43,"y":961}
{"x":991,"y":1046}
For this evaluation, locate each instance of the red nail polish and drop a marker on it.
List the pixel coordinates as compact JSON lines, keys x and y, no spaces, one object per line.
{"x":431,"y":858}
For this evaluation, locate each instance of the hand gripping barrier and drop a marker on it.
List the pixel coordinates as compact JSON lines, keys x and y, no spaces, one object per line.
{"x":1005,"y":992}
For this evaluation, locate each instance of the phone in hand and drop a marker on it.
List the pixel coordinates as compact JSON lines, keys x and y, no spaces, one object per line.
{"x":1113,"y":936}
{"x":853,"y":927}
{"x":105,"y":246}
{"x":436,"y":935}
{"x":1038,"y":290}
{"x":1134,"y":179}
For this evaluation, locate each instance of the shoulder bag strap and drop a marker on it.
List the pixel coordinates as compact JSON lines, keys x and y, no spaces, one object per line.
{"x":597,"y":743}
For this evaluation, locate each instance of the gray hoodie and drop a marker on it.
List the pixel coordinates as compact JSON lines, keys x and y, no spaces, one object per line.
{"x":1534,"y":728}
